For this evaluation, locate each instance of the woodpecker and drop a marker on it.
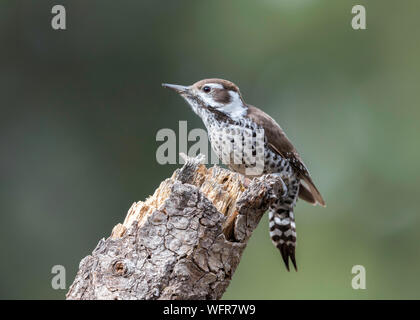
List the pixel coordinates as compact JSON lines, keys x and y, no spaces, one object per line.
{"x":231,"y":122}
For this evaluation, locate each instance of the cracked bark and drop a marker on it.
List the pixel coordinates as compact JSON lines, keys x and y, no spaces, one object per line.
{"x":183,"y":242}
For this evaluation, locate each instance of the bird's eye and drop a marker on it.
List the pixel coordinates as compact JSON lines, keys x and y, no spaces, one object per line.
{"x":206,"y":89}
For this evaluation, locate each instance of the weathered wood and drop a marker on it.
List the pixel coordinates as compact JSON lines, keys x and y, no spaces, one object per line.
{"x":184,"y":242}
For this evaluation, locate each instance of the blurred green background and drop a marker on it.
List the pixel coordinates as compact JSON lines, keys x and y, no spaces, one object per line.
{"x":80,"y":109}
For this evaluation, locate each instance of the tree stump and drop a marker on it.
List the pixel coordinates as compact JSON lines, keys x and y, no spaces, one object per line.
{"x":183,"y":242}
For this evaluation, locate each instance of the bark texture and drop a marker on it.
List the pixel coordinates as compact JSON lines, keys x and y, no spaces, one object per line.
{"x":183,"y":242}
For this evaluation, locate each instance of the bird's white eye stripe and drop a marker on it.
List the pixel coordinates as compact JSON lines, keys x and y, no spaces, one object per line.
{"x":214,"y":85}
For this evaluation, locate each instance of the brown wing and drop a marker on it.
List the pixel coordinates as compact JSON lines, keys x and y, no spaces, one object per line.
{"x":278,"y":142}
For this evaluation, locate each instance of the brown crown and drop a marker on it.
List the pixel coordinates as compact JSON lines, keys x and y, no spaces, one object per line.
{"x":225,"y":83}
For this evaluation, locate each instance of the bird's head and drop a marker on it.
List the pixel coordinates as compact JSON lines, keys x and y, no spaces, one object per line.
{"x":212,"y":94}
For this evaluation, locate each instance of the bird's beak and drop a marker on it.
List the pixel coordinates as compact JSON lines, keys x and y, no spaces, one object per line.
{"x":177,"y":88}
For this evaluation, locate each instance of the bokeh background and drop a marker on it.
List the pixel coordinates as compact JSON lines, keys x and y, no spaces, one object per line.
{"x":80,"y":110}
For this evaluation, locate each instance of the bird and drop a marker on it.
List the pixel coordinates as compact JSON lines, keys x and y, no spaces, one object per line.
{"x":230,"y":121}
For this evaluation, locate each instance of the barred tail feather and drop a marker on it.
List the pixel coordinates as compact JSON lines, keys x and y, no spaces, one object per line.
{"x":283,"y":233}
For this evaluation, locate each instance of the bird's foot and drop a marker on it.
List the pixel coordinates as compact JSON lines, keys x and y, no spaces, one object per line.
{"x":284,"y":187}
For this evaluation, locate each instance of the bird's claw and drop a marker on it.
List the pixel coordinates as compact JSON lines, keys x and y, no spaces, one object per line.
{"x":284,"y":188}
{"x":283,"y":184}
